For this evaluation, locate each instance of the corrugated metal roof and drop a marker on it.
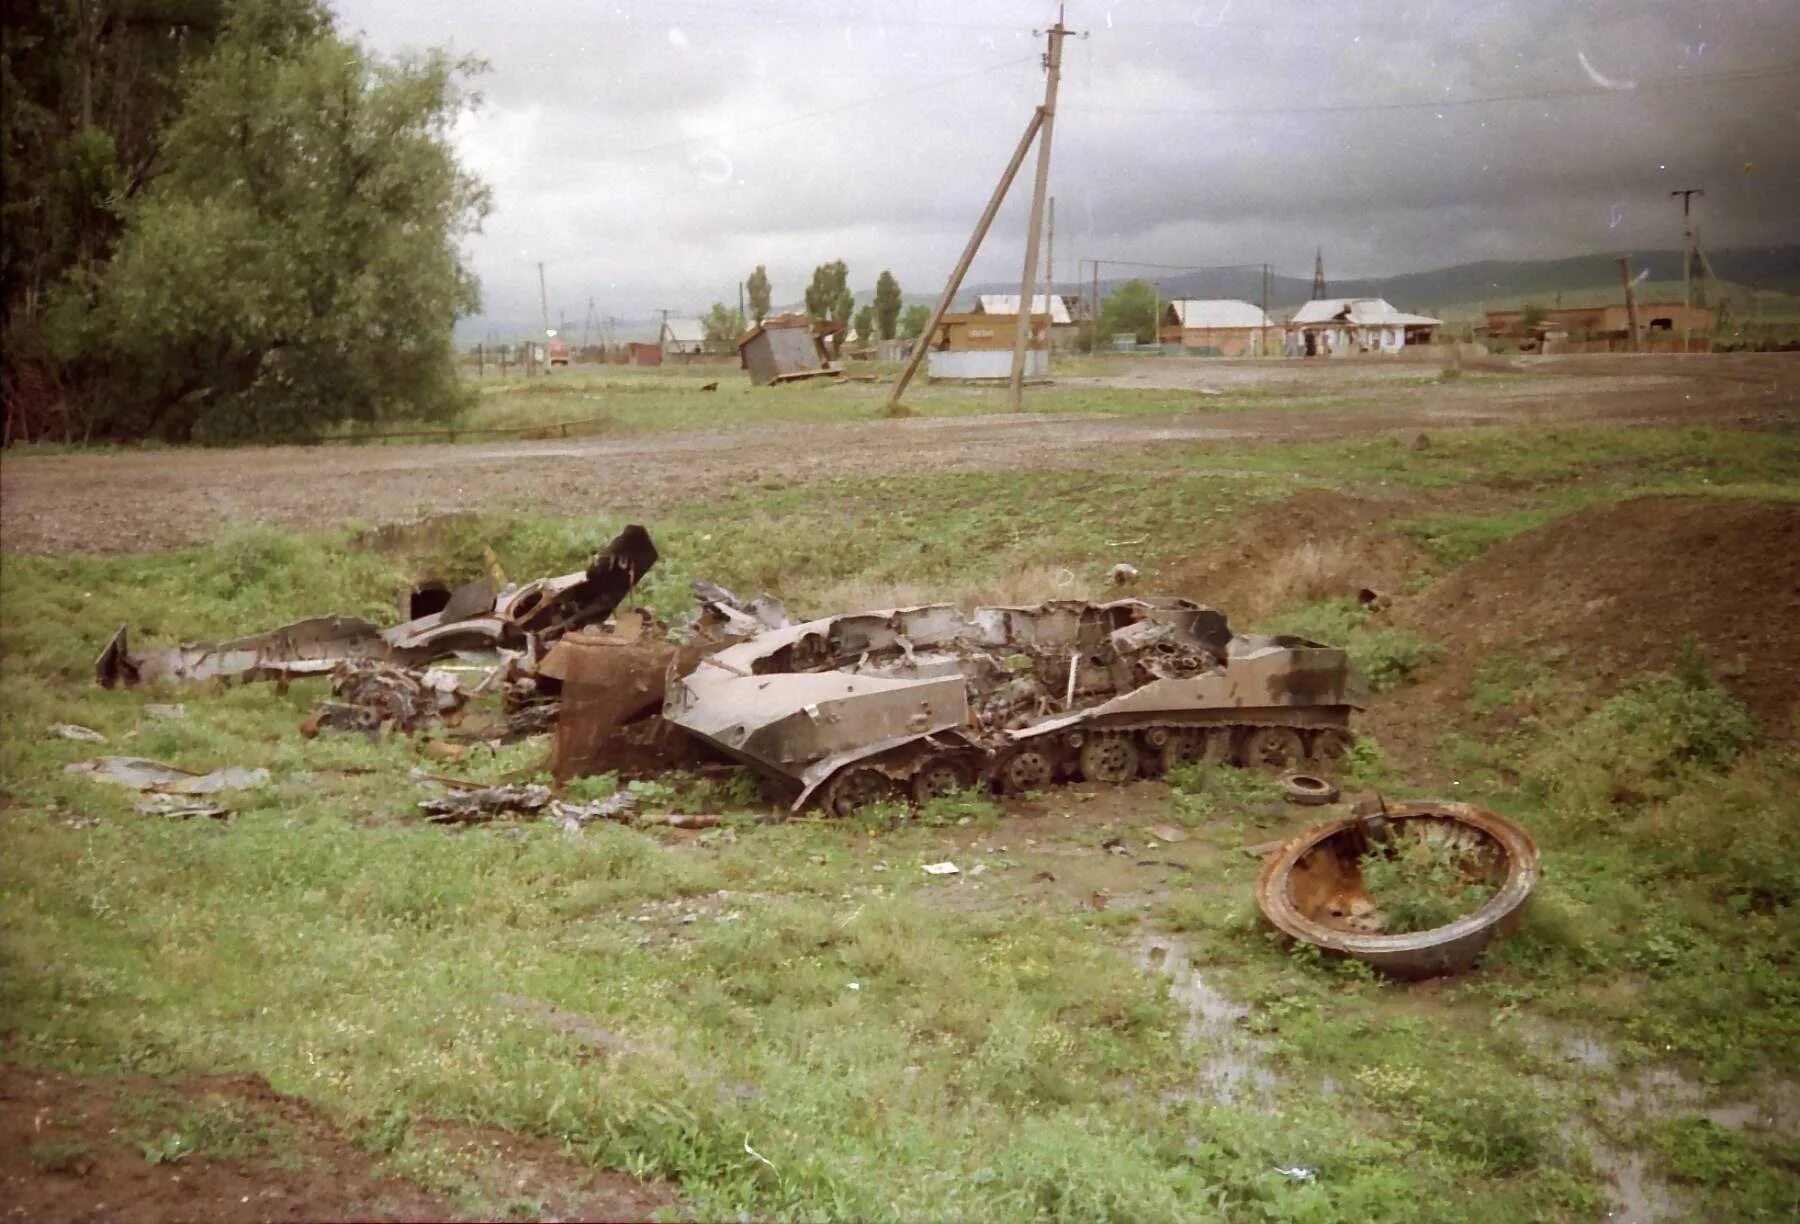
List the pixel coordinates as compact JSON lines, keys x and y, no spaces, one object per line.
{"x":1363,"y":312}
{"x":1008,"y":304}
{"x":684,"y":331}
{"x":1218,"y":312}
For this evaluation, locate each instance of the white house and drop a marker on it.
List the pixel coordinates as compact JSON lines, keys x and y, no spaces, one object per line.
{"x":683,"y":337}
{"x":1220,"y":327}
{"x":1339,"y":327}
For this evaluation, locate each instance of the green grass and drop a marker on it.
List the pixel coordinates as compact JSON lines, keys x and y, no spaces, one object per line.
{"x":898,"y":1046}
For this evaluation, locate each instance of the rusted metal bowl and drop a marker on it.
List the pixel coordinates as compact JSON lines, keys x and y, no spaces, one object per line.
{"x":1312,"y":889}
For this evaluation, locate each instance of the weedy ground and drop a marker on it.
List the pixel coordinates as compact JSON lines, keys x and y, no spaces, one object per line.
{"x":798,"y":1021}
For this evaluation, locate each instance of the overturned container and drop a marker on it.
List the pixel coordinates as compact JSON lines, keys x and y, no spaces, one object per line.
{"x":1314,"y":888}
{"x":917,"y":702}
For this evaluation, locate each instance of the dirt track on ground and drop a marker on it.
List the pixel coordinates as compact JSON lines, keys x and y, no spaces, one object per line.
{"x":144,"y":501}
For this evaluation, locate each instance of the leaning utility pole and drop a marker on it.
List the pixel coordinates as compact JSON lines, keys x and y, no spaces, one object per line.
{"x":1630,"y":301}
{"x":1050,"y":255}
{"x":1034,"y":226}
{"x":1687,"y":195}
{"x":962,"y":265}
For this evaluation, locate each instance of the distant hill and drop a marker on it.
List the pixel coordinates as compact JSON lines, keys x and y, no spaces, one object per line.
{"x":1765,"y":268}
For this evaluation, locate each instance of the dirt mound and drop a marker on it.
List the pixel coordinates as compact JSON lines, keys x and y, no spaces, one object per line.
{"x":1617,"y":588}
{"x":1315,"y":544}
{"x":115,"y":1148}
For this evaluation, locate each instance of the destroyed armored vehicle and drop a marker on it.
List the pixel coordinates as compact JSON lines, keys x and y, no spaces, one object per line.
{"x":923,"y":701}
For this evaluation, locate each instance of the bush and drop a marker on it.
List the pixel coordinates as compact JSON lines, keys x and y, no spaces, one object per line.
{"x":1658,"y":735}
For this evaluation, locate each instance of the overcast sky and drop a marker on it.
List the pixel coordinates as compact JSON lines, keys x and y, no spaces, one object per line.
{"x":650,"y":154}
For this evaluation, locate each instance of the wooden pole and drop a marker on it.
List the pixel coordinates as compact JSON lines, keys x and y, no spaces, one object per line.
{"x":962,"y":265}
{"x":1034,"y":226}
{"x":1631,"y":320}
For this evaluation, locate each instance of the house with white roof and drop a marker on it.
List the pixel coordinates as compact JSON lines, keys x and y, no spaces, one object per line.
{"x":1339,"y":327}
{"x":1216,"y":327}
{"x":683,"y":337}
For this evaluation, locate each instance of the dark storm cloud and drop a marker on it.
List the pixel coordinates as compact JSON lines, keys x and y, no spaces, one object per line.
{"x":643,"y":150}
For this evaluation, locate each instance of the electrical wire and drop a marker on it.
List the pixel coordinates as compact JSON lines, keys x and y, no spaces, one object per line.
{"x":1719,"y":78}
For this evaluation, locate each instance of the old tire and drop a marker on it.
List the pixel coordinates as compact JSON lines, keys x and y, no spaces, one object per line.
{"x":1308,"y":790}
{"x":1109,"y":758}
{"x":1330,"y":745}
{"x":850,"y":790}
{"x":939,"y":776}
{"x":1278,"y":748}
{"x":1025,"y":769}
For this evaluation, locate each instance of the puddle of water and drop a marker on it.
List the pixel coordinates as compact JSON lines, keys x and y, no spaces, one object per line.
{"x":1230,"y":1066}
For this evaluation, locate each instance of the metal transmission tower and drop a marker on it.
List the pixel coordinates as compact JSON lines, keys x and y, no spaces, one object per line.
{"x":1318,"y":293}
{"x":1688,"y":246}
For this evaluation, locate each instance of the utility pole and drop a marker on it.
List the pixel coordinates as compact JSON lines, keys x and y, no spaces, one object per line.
{"x":962,"y":264}
{"x":1033,"y":226}
{"x":1687,"y":195}
{"x":1094,"y":318}
{"x":1262,"y":347}
{"x":741,"y":315}
{"x":1050,"y":255}
{"x":1630,"y":301}
{"x":543,"y":300}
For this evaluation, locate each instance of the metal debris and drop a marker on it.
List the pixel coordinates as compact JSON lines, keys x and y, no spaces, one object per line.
{"x":486,"y":803}
{"x":174,"y":807}
{"x":74,"y":731}
{"x":373,"y":697}
{"x":476,"y":616}
{"x":142,"y":774}
{"x":941,"y":869}
{"x":1311,"y":888}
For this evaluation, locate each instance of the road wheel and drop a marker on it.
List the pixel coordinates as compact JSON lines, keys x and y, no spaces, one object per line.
{"x":1330,"y":745}
{"x":1274,"y":748}
{"x":940,"y":776}
{"x":1109,"y":758}
{"x":1026,"y":769}
{"x":855,"y":788}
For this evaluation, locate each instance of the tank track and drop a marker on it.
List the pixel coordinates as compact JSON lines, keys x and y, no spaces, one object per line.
{"x":1114,"y":753}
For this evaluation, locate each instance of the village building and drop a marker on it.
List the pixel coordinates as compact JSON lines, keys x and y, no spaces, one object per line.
{"x":1607,"y":321}
{"x":786,"y":347}
{"x":1063,"y":325}
{"x":1342,"y":327}
{"x":1216,"y":327}
{"x":979,"y":345}
{"x":683,"y":337}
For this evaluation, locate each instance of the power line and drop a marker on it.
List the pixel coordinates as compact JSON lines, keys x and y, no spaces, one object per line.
{"x":934,"y":83}
{"x":1597,"y":91}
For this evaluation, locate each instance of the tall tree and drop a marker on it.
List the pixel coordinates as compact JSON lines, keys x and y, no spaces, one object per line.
{"x":887,"y":304}
{"x":723,"y":324}
{"x":829,"y":296}
{"x":913,"y":321}
{"x":758,"y":289}
{"x":298,"y":262}
{"x":1130,"y":308}
{"x":865,"y":323}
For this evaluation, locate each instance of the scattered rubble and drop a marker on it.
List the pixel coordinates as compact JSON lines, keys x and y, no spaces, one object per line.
{"x":74,"y":731}
{"x":484,"y":803}
{"x":1313,"y":887}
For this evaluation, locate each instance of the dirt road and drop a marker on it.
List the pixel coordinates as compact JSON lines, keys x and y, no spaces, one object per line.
{"x":144,"y":501}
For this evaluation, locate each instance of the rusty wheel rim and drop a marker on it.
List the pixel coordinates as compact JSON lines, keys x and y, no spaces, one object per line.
{"x":1275,"y":747}
{"x":936,"y":779}
{"x":1027,"y":769}
{"x":1109,"y":758}
{"x":857,"y":789}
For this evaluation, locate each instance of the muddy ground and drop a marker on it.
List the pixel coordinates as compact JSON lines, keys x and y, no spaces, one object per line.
{"x":130,"y":1148}
{"x":143,"y":501}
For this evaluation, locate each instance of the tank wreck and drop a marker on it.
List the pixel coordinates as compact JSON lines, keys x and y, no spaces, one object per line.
{"x":913,"y":703}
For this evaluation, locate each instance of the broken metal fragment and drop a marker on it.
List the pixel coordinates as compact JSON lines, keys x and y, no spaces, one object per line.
{"x":1311,"y":888}
{"x":142,"y":774}
{"x":371,"y":697}
{"x":485,"y":803}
